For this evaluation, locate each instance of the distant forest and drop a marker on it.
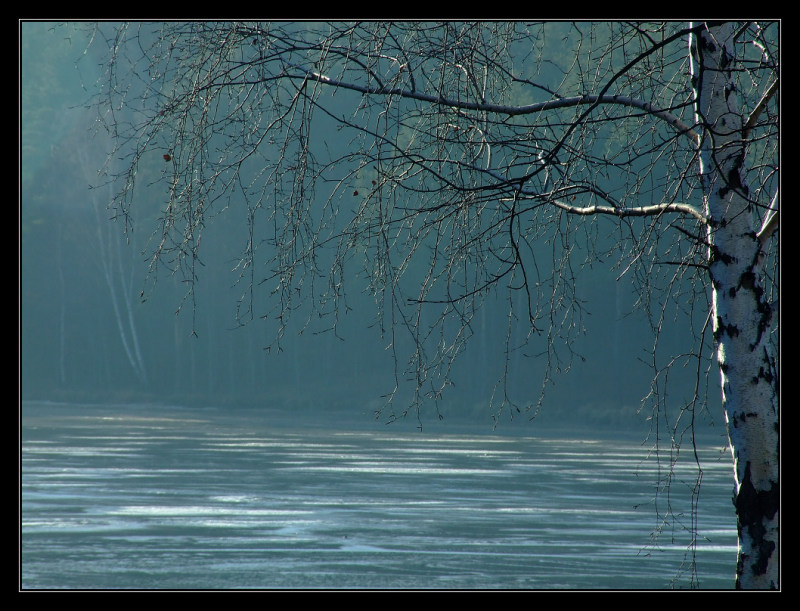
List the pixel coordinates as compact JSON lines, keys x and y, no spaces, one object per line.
{"x":91,"y":329}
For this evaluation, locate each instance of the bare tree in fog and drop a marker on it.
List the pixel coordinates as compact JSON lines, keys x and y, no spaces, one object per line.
{"x":469,"y":159}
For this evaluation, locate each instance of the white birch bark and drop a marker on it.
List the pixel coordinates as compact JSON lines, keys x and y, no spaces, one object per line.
{"x":741,"y":314}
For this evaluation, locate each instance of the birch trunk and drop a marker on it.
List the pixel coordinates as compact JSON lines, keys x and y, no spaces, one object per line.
{"x":742,"y":316}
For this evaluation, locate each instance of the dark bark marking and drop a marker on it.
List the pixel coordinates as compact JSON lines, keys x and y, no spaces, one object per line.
{"x":717,"y":337}
{"x":717,"y":255}
{"x":747,"y":280}
{"x":735,"y":180}
{"x":765,"y":310}
{"x":708,"y":44}
{"x":742,"y":417}
{"x":753,"y":507}
{"x":731,"y":330}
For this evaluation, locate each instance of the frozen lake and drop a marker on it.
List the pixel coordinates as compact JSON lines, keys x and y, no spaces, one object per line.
{"x":152,"y":497}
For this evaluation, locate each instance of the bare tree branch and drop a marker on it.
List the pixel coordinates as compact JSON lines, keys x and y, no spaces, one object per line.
{"x":503,"y":109}
{"x":771,"y":220}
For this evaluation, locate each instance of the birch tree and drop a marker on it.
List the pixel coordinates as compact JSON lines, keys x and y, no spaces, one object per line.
{"x":438,"y":165}
{"x":741,"y":312}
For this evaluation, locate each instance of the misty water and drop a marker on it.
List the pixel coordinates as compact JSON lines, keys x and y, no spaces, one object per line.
{"x":154,"y":497}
